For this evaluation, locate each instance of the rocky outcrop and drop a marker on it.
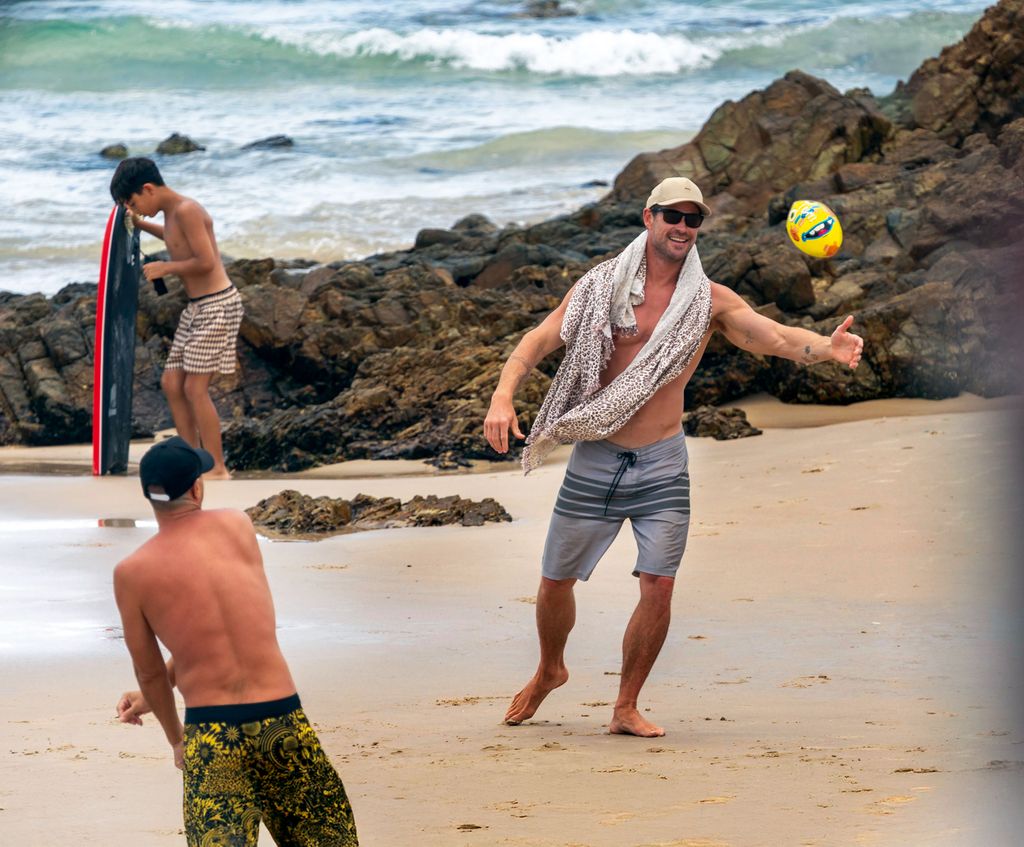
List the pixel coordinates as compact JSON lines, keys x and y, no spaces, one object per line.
{"x":292,"y":514}
{"x":396,"y":356}
{"x":546,"y":9}
{"x":719,"y":424}
{"x":177,"y":145}
{"x":271,"y":142}
{"x":976,"y":85}
{"x":114,"y":151}
{"x":798,"y":129}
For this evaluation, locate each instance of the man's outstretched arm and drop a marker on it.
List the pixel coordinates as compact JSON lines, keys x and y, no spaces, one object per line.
{"x":538,"y":343}
{"x":756,"y":333}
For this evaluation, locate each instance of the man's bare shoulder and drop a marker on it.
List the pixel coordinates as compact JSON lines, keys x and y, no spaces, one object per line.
{"x":134,"y":566}
{"x":230,"y":519}
{"x":236,"y":515}
{"x":724,"y":299}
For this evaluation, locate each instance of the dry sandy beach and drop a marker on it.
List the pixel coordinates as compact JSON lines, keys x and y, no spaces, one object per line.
{"x":843,"y":666}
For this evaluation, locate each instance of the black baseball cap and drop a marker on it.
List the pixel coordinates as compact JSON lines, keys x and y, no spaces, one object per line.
{"x":173,"y":465}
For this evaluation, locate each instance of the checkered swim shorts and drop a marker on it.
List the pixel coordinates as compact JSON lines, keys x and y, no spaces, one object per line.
{"x":207,"y":331}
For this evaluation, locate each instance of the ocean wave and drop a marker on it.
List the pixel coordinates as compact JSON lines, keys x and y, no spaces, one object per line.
{"x":594,"y":53}
{"x":542,"y":147}
{"x":878,"y":46}
{"x":136,"y":52}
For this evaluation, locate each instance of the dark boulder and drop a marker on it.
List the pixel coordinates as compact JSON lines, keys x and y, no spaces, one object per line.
{"x":292,"y":514}
{"x":176,"y":145}
{"x":546,"y":9}
{"x":271,"y":142}
{"x":798,"y":129}
{"x":720,"y":424}
{"x":976,"y":85}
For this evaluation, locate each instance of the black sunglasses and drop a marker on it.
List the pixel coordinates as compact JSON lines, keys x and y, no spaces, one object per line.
{"x":674,"y":216}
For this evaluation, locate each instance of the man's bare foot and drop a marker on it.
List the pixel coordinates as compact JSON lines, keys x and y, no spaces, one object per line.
{"x":628,"y":721}
{"x":217,"y":473}
{"x":527,"y":701}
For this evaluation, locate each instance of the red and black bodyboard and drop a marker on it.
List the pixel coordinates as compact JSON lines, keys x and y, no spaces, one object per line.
{"x":114,"y":352}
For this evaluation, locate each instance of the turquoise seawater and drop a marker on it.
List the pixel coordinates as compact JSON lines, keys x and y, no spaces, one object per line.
{"x":404,"y":115}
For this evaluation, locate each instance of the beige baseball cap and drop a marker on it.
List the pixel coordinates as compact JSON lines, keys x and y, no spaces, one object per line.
{"x":677,"y":189}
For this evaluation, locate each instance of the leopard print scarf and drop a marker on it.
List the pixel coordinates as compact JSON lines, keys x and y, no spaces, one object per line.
{"x":576,"y":407}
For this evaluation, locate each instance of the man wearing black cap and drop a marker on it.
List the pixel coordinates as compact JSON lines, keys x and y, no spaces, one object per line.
{"x":246,"y":748}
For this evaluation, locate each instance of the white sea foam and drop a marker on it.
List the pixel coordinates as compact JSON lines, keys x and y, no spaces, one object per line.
{"x":593,"y":53}
{"x":465,"y":106}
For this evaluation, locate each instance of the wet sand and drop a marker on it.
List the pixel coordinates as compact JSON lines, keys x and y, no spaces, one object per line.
{"x":843,"y":666}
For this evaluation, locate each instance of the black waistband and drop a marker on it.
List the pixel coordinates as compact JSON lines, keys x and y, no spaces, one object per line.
{"x":214,"y":294}
{"x":242,"y":712}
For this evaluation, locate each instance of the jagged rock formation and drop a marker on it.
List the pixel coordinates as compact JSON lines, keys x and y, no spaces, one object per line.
{"x":719,"y":424}
{"x":396,"y":355}
{"x":291,"y":514}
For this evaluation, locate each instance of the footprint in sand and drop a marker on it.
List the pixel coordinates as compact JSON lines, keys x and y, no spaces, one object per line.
{"x":468,"y":700}
{"x":514,"y":808}
{"x":621,"y":817}
{"x":806,"y":681}
{"x":887,"y":805}
{"x":688,"y":842}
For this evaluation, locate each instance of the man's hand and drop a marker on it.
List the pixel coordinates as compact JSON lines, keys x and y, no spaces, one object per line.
{"x":155,"y":270}
{"x":131,"y":705}
{"x":847,"y":347}
{"x":179,"y":755}
{"x":500,"y":418}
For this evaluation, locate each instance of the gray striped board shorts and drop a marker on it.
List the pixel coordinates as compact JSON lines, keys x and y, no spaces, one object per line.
{"x":605,"y":484}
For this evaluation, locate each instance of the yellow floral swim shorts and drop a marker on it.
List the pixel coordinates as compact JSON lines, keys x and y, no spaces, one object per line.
{"x":261,"y":762}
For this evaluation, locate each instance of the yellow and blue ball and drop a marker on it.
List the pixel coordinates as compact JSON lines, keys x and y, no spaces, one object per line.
{"x":814,"y":228}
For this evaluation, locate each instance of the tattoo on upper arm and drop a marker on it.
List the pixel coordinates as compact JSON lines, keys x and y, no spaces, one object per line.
{"x":809,"y":357}
{"x":748,"y":338}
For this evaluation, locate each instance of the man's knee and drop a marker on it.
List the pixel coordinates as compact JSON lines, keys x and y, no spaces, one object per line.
{"x":557,"y":585}
{"x":657,"y":589}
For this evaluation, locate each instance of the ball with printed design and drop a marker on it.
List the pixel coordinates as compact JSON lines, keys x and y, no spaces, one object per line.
{"x":814,"y":228}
